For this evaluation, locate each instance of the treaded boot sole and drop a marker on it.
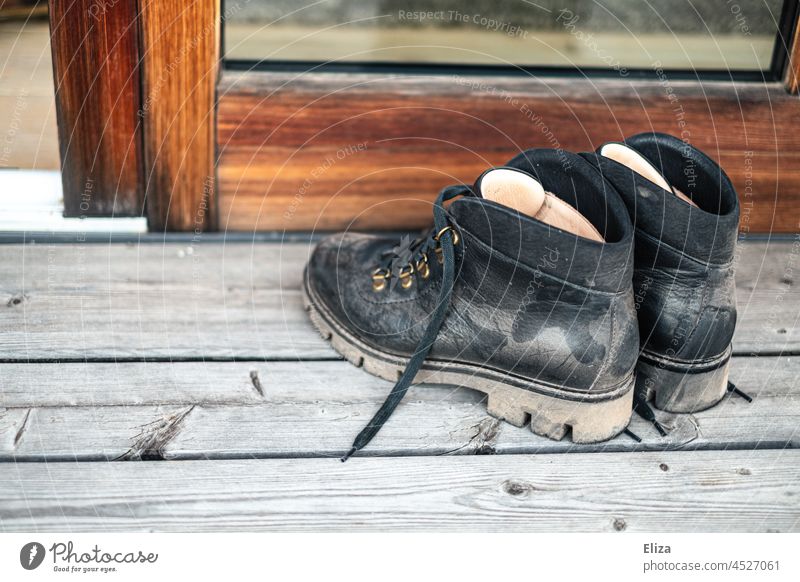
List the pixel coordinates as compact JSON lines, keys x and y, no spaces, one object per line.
{"x":680,"y":388}
{"x":551,"y":412}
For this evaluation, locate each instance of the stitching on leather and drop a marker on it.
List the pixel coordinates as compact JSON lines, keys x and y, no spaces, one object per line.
{"x":700,"y":312}
{"x":523,"y":267}
{"x":711,"y":360}
{"x":683,"y":253}
{"x":704,"y":305}
{"x":615,"y":340}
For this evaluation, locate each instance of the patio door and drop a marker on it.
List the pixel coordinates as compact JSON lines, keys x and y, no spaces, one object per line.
{"x":278,"y":115}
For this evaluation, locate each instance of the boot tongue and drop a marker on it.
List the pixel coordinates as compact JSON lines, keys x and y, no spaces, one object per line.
{"x":526,"y":195}
{"x":627,"y":156}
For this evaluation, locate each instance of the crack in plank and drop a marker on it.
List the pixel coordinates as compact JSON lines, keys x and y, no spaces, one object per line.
{"x":484,"y":439}
{"x":23,"y":427}
{"x":150,"y":443}
{"x":691,"y":420}
{"x":256,"y":381}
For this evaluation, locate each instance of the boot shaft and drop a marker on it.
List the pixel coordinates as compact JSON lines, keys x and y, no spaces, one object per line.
{"x":685,"y":250}
{"x":531,"y":294}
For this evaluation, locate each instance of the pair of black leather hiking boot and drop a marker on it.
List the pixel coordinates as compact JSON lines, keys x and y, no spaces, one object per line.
{"x":566,"y":287}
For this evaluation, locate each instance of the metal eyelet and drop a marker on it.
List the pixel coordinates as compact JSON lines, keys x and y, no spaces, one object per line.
{"x":423,"y":268}
{"x":405,"y":277}
{"x":456,"y":240}
{"x":379,"y":278}
{"x":439,"y":234}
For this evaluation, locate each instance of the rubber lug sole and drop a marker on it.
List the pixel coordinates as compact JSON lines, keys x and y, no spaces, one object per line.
{"x":587,"y":420}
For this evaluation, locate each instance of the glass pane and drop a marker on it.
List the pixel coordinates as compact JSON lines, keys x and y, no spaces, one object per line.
{"x":614,"y":34}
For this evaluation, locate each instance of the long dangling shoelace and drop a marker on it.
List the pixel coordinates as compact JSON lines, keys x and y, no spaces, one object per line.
{"x":643,"y":409}
{"x":443,"y":235}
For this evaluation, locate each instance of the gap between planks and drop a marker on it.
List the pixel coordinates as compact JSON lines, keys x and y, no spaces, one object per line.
{"x":241,"y":410}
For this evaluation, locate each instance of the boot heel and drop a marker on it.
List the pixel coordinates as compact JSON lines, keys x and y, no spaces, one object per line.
{"x":682,"y":390}
{"x":588,"y":421}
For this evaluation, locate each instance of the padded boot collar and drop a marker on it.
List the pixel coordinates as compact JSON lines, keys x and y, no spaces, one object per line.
{"x":539,"y":247}
{"x":708,"y":232}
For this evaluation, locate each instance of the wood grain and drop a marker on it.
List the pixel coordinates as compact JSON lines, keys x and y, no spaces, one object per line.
{"x":180,"y":42}
{"x":242,"y":444}
{"x":95,"y":62}
{"x":153,"y":301}
{"x":243,"y":301}
{"x":329,"y":151}
{"x":80,"y":411}
{"x":791,"y":77}
{"x":711,"y":491}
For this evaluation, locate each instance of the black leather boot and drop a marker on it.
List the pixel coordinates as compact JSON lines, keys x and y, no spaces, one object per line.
{"x":686,"y":215}
{"x":514,"y":293}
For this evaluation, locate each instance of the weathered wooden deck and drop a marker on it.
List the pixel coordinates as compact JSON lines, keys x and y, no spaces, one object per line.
{"x":162,"y":387}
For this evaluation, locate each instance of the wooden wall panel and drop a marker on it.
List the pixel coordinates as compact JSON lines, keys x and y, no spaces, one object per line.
{"x":331,"y":151}
{"x":95,"y":64}
{"x":180,"y":42}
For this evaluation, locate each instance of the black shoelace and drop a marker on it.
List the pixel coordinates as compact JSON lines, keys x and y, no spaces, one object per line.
{"x":740,"y":393}
{"x":643,"y":409}
{"x":442,"y":235}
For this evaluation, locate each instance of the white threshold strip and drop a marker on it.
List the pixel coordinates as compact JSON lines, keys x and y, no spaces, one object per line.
{"x":33,"y":201}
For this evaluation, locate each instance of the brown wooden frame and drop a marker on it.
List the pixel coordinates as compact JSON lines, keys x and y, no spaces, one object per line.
{"x":96,"y":73}
{"x":180,"y":62}
{"x":135,"y":94}
{"x":276,"y":132}
{"x":303,"y":151}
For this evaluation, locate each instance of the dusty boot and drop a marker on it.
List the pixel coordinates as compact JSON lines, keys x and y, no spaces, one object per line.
{"x":514,"y":293}
{"x":686,"y":215}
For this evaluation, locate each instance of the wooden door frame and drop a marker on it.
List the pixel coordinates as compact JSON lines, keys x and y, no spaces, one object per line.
{"x":135,"y":93}
{"x":150,"y":125}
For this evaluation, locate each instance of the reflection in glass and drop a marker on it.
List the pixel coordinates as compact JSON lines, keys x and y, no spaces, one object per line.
{"x":615,"y":34}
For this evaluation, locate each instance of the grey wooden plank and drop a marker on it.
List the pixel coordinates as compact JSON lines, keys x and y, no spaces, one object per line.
{"x":768,"y":297}
{"x":135,"y":383}
{"x":154,"y":301}
{"x":303,"y":409}
{"x":712,"y":491}
{"x":51,"y":384}
{"x":243,"y":301}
